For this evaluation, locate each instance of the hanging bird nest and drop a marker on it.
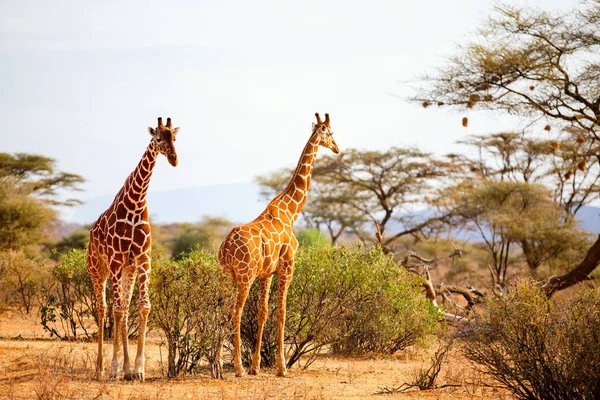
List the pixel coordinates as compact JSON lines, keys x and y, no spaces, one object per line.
{"x":488,"y":97}
{"x":547,"y":128}
{"x":568,"y":175}
{"x":582,"y":165}
{"x":440,"y":103}
{"x":483,"y":86}
{"x":580,"y":139}
{"x":555,"y":145}
{"x":531,"y":87}
{"x":465,"y":122}
{"x":425,"y":104}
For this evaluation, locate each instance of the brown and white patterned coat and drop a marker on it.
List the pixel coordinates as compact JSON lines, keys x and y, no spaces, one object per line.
{"x":119,"y":251}
{"x":267,"y":245}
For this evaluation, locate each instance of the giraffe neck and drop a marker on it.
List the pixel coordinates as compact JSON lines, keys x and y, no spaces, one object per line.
{"x":294,"y":195}
{"x":137,"y":183}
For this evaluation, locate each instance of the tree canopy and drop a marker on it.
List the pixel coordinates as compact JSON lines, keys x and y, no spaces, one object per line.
{"x":530,"y":62}
{"x":29,"y":188}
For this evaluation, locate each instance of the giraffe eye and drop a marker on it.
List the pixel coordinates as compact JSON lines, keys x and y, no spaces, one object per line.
{"x":323,"y":129}
{"x":157,"y":140}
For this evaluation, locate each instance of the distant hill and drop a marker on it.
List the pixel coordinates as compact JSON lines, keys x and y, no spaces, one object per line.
{"x":237,"y":202}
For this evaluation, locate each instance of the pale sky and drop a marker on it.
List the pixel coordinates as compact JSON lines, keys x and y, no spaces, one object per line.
{"x":81,"y":80}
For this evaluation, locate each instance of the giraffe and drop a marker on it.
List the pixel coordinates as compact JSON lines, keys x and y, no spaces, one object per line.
{"x":119,"y":249}
{"x":267,"y":245}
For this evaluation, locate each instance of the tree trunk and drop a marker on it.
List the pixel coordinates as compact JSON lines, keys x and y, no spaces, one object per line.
{"x":579,"y":274}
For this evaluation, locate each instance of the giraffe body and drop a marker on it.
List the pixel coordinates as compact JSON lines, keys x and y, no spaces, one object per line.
{"x":266,"y":247}
{"x":119,"y":251}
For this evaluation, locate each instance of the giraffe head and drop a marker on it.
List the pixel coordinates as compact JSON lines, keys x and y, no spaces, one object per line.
{"x":324,"y":134}
{"x":163,"y":137}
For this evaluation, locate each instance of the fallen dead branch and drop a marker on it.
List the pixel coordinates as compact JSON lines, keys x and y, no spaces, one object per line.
{"x":432,"y":291}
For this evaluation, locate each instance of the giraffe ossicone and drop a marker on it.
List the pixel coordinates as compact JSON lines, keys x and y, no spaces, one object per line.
{"x":119,"y":249}
{"x":266,"y":247}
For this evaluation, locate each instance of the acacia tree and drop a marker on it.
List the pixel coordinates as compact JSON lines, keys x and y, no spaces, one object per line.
{"x":528,"y":62}
{"x":506,"y":215}
{"x":36,"y":176}
{"x":543,"y":66}
{"x":29,"y":188}
{"x":513,"y":157}
{"x":387,"y":187}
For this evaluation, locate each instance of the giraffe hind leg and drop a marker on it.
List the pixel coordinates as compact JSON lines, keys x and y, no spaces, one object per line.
{"x":242,"y":294}
{"x":100,"y":292}
{"x":265,"y":285}
{"x":99,"y":275}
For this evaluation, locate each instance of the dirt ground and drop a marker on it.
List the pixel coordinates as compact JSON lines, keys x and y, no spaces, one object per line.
{"x":34,"y":367}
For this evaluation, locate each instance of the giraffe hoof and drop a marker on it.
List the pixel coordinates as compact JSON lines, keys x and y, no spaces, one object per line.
{"x":240,"y":373}
{"x":136,"y":376}
{"x":282,"y":372}
{"x":253,"y":371}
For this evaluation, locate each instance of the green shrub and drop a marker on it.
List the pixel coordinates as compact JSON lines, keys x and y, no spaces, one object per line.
{"x":351,"y":298}
{"x":538,"y":348}
{"x":191,"y":304}
{"x":389,"y":312}
{"x":68,"y":302}
{"x":20,"y":278}
{"x":68,"y":305}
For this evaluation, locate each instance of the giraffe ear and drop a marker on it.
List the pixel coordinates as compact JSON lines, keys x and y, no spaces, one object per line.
{"x":151,"y":131}
{"x":174,"y":131}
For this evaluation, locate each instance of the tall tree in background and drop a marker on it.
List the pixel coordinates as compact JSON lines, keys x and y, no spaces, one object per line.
{"x":528,"y":62}
{"x":29,"y":189}
{"x":36,"y":176}
{"x":389,"y":187}
{"x":543,"y":66}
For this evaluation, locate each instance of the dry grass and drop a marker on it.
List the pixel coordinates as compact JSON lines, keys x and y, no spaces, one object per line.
{"x":36,"y":368}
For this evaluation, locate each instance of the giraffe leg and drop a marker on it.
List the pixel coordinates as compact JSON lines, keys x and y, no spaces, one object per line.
{"x":128,"y":282}
{"x":143,"y":269}
{"x":265,"y":285}
{"x":282,"y":290}
{"x":117,"y":335}
{"x":242,"y":294}
{"x":99,"y":284}
{"x":118,"y":313}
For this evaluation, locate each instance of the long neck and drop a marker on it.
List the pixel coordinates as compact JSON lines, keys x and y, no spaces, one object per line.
{"x":294,"y":195}
{"x":136,"y":185}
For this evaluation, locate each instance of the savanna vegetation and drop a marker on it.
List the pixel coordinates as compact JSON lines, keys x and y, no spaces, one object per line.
{"x":464,"y":255}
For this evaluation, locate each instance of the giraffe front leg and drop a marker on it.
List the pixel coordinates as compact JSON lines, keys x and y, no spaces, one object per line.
{"x":143,"y":268}
{"x":128,"y":280}
{"x":118,"y":313}
{"x":284,"y":283}
{"x":265,"y":285}
{"x":117,"y":335}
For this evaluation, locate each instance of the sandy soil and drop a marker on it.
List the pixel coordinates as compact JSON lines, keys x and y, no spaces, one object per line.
{"x":32,"y":366}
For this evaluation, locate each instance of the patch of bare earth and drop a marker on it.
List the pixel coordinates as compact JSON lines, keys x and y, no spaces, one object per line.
{"x":35,"y":368}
